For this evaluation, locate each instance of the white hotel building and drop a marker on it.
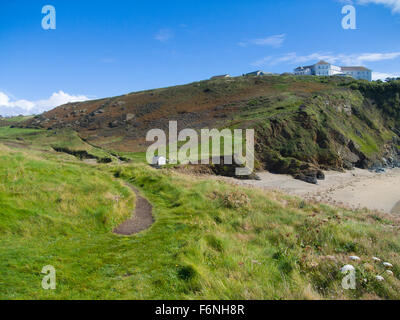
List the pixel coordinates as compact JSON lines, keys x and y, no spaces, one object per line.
{"x":324,"y":68}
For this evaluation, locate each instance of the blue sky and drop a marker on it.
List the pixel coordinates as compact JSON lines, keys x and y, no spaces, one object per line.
{"x":108,"y":48}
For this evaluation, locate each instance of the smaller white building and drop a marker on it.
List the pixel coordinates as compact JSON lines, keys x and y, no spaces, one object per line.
{"x":256,"y":73}
{"x":223,"y":76}
{"x":159,"y":161}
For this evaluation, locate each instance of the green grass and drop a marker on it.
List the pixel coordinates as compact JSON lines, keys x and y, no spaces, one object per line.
{"x":16,"y":119}
{"x":53,"y":213}
{"x":210,"y":240}
{"x":48,"y":140}
{"x":13,"y":133}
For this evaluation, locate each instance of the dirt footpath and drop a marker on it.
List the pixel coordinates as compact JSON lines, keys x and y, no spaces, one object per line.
{"x":142,"y":217}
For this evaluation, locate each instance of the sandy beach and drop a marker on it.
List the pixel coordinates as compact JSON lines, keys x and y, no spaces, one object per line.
{"x":356,"y":188}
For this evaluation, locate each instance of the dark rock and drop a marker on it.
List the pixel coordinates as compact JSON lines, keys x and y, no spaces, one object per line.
{"x":348,"y":165}
{"x":308,"y":179}
{"x":358,"y":133}
{"x":113,"y":124}
{"x":229,"y":170}
{"x":320,"y":175}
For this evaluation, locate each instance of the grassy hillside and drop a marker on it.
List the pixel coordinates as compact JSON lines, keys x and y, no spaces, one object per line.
{"x":54,"y":213}
{"x":13,"y":120}
{"x":210,"y":240}
{"x":303,"y":124}
{"x":63,"y":140}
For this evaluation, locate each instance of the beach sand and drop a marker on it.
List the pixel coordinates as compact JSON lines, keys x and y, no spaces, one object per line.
{"x":355,"y":189}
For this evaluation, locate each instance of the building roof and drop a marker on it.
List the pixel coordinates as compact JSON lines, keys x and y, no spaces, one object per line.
{"x":322,"y":62}
{"x":221,"y":76}
{"x":305,"y":67}
{"x":355,"y":69}
{"x":255,"y":73}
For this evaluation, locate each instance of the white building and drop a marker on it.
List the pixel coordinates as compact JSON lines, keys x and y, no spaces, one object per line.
{"x":223,"y":76}
{"x":324,"y":68}
{"x":256,"y":73}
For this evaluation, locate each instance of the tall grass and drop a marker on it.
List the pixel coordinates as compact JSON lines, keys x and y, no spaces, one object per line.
{"x":210,"y":240}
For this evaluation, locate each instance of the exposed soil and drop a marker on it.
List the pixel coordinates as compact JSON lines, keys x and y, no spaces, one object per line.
{"x":142,"y":218}
{"x":83,"y":155}
{"x":18,"y":145}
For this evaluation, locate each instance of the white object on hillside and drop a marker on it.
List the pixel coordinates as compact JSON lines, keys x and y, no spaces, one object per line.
{"x":389,"y":272}
{"x":159,"y":161}
{"x":354,"y":258}
{"x":376,"y":259}
{"x":380,"y":278}
{"x":256,"y":73}
{"x":223,"y":76}
{"x":347,"y":267}
{"x":388,"y":265}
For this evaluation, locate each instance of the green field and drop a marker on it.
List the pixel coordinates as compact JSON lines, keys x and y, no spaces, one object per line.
{"x":16,"y":119}
{"x":210,"y":240}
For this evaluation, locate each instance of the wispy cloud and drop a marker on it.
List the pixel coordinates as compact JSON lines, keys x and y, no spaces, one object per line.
{"x":274,"y":41}
{"x":384,"y":76}
{"x":12,"y":107}
{"x":345,"y":59}
{"x":164,"y":35}
{"x":394,"y":5}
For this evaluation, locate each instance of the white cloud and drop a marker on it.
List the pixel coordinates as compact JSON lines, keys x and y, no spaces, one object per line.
{"x":164,"y":35}
{"x":344,"y":59}
{"x":8,"y":107}
{"x":274,"y":41}
{"x":392,"y":4}
{"x":370,"y":57}
{"x":383,"y":76}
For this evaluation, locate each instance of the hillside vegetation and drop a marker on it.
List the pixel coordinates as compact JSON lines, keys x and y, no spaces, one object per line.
{"x":211,"y":240}
{"x":302,"y":124}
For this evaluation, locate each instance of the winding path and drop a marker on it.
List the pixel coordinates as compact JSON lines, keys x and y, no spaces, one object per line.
{"x":142,"y":217}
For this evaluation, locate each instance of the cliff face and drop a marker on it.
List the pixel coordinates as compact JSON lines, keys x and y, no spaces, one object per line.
{"x":303,"y":124}
{"x":340,"y":129}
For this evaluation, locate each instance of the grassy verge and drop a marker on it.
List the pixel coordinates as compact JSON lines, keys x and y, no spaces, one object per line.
{"x":16,"y":119}
{"x":54,"y":213}
{"x":50,"y":140}
{"x":210,"y":240}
